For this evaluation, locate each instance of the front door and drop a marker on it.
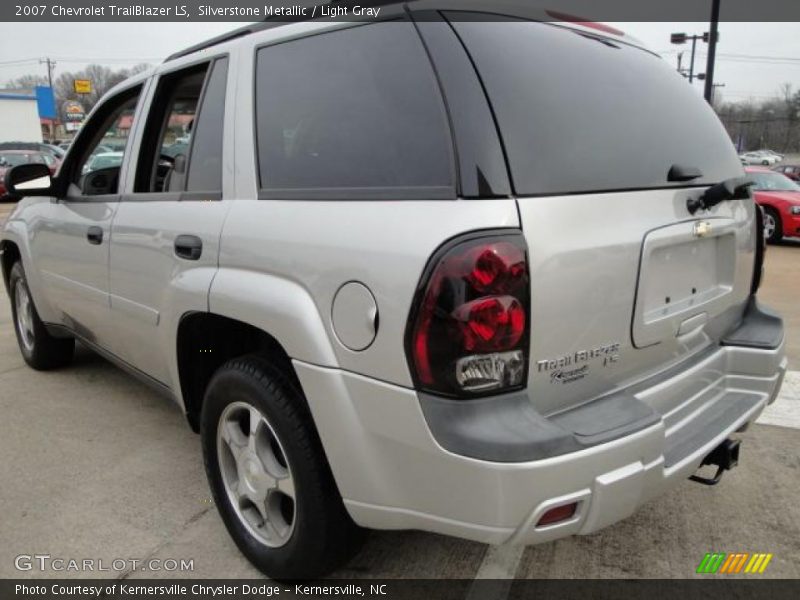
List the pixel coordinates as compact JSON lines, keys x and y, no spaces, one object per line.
{"x":71,"y":234}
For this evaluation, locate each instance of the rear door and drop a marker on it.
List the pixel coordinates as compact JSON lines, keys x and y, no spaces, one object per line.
{"x":165,"y":234}
{"x":625,"y":281}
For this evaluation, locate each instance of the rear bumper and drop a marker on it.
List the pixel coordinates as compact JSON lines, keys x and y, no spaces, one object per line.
{"x":394,"y":474}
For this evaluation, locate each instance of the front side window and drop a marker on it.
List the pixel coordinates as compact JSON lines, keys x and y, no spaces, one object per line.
{"x":108,"y":144}
{"x":349,"y":114}
{"x":182,"y":143}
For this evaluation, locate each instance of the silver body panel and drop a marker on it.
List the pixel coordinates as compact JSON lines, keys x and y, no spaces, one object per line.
{"x":593,"y":281}
{"x":601,"y":268}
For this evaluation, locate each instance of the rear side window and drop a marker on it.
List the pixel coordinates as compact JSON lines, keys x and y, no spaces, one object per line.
{"x":354,"y":113}
{"x":579,"y":113}
{"x":205,"y":168}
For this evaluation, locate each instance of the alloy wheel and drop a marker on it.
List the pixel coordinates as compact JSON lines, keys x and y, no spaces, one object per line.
{"x":769,"y":225}
{"x":256,"y":474}
{"x":24,"y":310}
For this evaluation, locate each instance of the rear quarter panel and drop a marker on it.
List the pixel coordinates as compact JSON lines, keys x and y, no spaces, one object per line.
{"x":282,"y":262}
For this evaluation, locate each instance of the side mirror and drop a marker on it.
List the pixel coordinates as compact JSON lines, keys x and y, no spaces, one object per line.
{"x":29,"y":180}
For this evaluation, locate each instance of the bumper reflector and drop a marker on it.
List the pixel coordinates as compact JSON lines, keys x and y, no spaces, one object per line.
{"x":558,"y":514}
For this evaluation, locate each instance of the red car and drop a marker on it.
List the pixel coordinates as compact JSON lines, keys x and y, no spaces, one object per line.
{"x":791,"y":171}
{"x":12,"y":158}
{"x":779,"y":196}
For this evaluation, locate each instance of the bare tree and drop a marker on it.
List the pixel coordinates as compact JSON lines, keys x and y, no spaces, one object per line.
{"x":26,"y":82}
{"x":771,"y":123}
{"x":102,"y":78}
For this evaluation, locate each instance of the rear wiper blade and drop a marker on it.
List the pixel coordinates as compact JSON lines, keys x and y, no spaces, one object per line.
{"x":683,"y":173}
{"x":735,"y":188}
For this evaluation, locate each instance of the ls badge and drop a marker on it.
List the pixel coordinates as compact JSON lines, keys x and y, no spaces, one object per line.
{"x":575,"y":366}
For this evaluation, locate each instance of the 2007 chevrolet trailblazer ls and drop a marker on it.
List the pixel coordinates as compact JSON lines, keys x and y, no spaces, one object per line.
{"x":492,"y":276}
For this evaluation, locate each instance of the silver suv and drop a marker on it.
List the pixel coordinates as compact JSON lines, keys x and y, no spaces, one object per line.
{"x":491,"y":276}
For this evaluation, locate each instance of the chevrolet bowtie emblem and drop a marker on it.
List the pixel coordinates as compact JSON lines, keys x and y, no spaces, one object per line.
{"x":702,"y":229}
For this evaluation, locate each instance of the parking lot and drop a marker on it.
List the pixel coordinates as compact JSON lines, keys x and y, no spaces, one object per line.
{"x":95,"y":465}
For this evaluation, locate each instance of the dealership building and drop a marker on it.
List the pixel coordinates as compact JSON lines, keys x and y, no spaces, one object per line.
{"x":27,"y":115}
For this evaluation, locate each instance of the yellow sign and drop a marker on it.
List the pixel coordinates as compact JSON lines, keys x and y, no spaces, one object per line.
{"x":82,"y":86}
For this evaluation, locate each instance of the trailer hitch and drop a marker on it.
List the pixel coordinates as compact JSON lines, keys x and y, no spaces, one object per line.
{"x":724,"y":457}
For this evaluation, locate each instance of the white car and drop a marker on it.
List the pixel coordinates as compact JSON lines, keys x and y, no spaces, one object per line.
{"x":777,"y":155}
{"x":759,"y":158}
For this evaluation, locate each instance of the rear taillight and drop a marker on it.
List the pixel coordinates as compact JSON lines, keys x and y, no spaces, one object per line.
{"x":761,"y":248}
{"x":468,"y":329}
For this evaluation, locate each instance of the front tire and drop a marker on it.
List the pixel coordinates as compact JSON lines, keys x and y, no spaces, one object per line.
{"x":39,"y":349}
{"x":773,"y":227}
{"x":269,"y":475}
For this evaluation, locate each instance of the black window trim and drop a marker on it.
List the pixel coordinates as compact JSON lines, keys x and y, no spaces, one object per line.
{"x":450,"y":192}
{"x":506,"y":182}
{"x":181,"y":195}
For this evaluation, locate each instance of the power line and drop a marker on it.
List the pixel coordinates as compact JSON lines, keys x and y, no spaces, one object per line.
{"x":109,"y":60}
{"x":18,"y":62}
{"x":732,"y":55}
{"x":782,"y":60}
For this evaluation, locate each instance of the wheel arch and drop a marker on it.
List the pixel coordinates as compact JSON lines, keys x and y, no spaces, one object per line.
{"x":205,"y":341}
{"x":9,"y":254}
{"x":15,"y":244}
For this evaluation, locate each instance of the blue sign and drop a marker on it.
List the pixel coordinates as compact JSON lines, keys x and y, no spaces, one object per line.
{"x":46,"y":102}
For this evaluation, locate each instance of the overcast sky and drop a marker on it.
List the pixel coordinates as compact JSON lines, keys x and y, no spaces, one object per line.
{"x":754,"y":59}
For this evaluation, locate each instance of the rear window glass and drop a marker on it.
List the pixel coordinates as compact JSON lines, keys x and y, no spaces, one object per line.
{"x":579,"y":113}
{"x":350,"y":113}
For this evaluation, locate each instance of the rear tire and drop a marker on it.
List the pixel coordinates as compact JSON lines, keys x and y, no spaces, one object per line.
{"x":269,"y":476}
{"x":39,"y":349}
{"x":773,"y":227}
{"x":765,"y":163}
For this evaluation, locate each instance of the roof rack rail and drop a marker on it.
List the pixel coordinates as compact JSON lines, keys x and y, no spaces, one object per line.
{"x":225,"y":37}
{"x":270,"y":23}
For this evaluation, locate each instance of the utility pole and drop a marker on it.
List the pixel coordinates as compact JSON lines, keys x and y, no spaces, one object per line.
{"x":714,"y":91}
{"x":712,"y":50}
{"x":51,"y":65}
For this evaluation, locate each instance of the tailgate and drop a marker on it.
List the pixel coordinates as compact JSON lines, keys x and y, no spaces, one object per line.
{"x":626,"y":284}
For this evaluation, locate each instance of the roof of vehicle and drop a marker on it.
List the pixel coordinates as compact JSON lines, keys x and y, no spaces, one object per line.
{"x":539,"y":11}
{"x":109,"y":155}
{"x":759,"y":170}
